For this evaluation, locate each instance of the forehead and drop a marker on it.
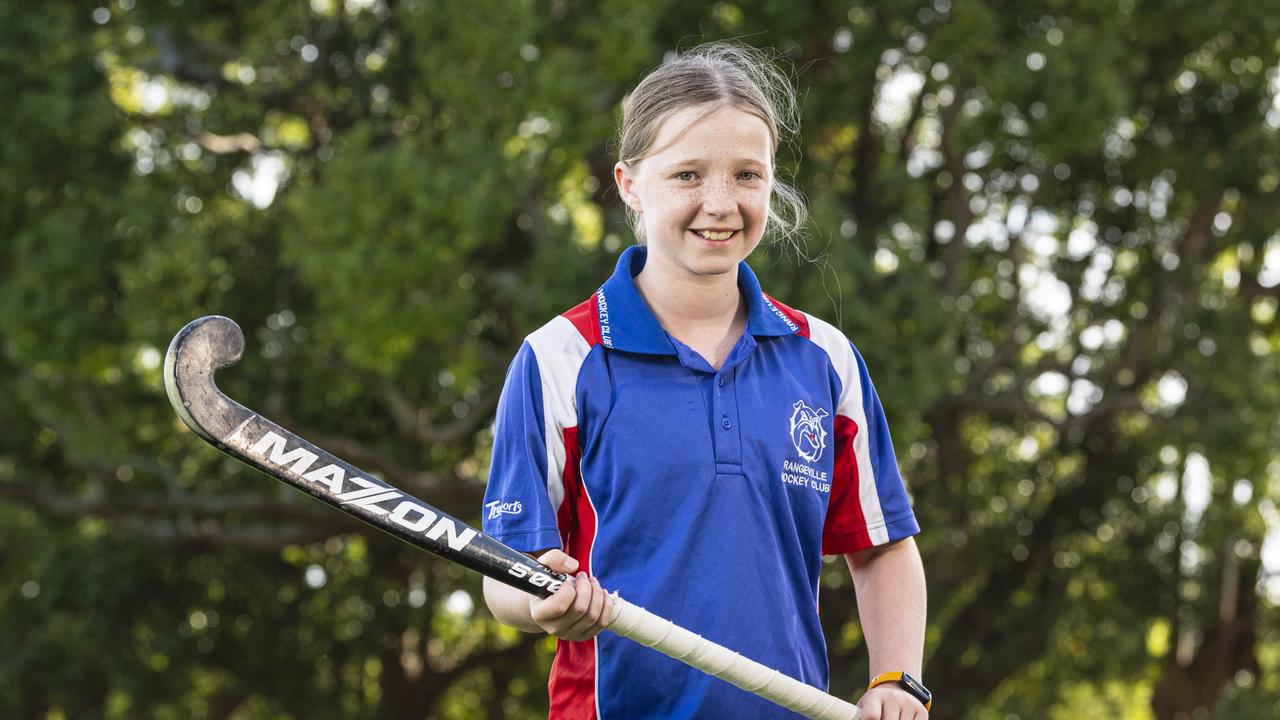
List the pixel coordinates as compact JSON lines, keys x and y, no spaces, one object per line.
{"x":708,"y":131}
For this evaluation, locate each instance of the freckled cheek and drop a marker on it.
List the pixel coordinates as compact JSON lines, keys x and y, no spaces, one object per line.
{"x":757,"y":205}
{"x":680,"y":207}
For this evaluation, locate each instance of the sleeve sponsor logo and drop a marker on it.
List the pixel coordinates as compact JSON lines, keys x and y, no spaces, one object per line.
{"x":504,"y":507}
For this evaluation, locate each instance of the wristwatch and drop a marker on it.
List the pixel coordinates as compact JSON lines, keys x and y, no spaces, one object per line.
{"x":908,"y":683}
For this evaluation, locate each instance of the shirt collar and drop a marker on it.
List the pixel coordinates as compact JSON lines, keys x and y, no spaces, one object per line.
{"x":627,"y":323}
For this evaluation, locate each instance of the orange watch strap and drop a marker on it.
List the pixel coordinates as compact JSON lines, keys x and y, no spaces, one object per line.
{"x":897,"y":679}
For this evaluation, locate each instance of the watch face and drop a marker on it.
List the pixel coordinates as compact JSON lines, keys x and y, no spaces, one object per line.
{"x":913,"y":685}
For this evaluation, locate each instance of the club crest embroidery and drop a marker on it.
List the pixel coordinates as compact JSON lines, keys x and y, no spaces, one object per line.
{"x":807,"y":433}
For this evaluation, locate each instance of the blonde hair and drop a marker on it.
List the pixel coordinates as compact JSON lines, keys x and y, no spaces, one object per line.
{"x":718,"y":73}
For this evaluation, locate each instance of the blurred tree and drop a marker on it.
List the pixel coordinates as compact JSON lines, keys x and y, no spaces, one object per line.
{"x":1051,"y":230}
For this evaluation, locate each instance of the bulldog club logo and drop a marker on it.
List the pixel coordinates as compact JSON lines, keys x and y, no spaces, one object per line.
{"x":807,"y":433}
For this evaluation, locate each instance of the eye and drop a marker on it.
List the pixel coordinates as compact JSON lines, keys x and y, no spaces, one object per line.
{"x":686,"y":176}
{"x":749,"y":175}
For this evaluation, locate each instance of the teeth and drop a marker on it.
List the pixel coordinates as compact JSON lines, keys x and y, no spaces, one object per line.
{"x":724,"y":235}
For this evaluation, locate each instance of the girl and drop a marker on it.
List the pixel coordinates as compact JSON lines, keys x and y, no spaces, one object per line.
{"x":688,"y":441}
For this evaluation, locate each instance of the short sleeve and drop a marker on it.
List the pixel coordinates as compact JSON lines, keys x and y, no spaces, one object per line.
{"x":518,"y":508}
{"x":869,"y":505}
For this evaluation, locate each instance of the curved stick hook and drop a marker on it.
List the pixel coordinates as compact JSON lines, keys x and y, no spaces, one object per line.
{"x":200,"y":349}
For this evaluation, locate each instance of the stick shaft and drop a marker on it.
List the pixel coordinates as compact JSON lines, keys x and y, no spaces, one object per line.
{"x":210,"y":343}
{"x":275,"y":451}
{"x":291,"y":459}
{"x":642,"y":626}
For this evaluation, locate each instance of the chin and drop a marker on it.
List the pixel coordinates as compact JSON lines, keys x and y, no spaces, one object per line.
{"x":713,"y":266}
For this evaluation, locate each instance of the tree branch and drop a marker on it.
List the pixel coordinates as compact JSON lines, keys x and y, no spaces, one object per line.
{"x":412,"y":420}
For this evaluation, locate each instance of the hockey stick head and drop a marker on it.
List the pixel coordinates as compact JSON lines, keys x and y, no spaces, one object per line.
{"x":199,"y":350}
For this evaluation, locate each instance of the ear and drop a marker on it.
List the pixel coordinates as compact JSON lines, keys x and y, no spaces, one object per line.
{"x":624,"y":178}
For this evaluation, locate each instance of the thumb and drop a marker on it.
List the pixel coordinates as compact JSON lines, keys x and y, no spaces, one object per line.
{"x":559,"y":561}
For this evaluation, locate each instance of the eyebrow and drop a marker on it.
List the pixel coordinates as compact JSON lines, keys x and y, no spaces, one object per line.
{"x":700,"y":161}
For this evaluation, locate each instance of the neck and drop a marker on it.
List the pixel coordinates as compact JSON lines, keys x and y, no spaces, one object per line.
{"x":705,"y":312}
{"x":679,"y":298}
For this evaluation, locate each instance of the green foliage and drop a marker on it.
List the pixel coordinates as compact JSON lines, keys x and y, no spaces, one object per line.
{"x":1049,"y":227}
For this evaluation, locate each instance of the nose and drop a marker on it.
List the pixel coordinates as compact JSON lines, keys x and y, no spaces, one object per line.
{"x":718,"y":199}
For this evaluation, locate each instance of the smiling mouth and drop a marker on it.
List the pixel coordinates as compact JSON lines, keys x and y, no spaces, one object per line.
{"x":717,"y":235}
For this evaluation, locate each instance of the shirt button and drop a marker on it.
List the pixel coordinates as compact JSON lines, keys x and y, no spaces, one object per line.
{"x":725,"y":422}
{"x":720,"y":381}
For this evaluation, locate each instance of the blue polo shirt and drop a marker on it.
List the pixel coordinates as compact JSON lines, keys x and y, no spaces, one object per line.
{"x":706,"y":496}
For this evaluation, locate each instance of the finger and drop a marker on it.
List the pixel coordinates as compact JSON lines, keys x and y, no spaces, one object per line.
{"x":558,"y":560}
{"x":553,"y":607}
{"x":588,"y":626}
{"x":608,"y":611}
{"x":597,"y":603}
{"x":581,"y":625}
{"x":869,"y":708}
{"x":582,"y":603}
{"x":908,"y":707}
{"x":581,"y":599}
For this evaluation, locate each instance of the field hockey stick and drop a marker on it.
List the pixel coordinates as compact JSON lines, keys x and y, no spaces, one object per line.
{"x":210,"y":343}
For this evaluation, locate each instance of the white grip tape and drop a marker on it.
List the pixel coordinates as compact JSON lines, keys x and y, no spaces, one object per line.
{"x":636,"y":623}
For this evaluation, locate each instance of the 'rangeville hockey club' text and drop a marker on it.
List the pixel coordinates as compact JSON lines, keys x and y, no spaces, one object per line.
{"x":794,"y":473}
